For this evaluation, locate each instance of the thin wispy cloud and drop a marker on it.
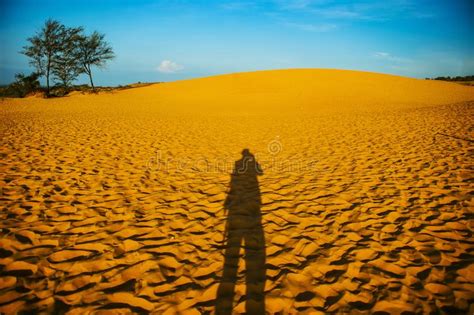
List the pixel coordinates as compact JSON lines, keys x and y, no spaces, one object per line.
{"x":318,"y":28}
{"x":339,"y":12}
{"x":362,"y":10}
{"x":168,"y":66}
{"x":381,"y":54}
{"x":297,"y":4}
{"x":238,"y":5}
{"x":331,"y":14}
{"x":385,"y":56}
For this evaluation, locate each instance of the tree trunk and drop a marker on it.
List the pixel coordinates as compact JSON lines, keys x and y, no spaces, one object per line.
{"x":48,"y":68}
{"x":92,"y":83}
{"x":47,"y":83}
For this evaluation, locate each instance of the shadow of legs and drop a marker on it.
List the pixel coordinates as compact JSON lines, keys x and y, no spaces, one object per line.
{"x":255,"y":275}
{"x":225,"y":292}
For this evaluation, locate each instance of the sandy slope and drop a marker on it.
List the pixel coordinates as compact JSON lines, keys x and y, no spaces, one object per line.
{"x":115,"y":202}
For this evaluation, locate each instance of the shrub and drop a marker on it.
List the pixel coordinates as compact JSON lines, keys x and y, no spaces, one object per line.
{"x":23,"y":85}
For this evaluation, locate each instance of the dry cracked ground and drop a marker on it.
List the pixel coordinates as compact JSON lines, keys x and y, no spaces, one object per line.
{"x":122,"y":211}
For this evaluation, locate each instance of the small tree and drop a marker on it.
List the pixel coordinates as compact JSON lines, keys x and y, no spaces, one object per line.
{"x":66,"y":67}
{"x":63,"y":53}
{"x":93,"y":51}
{"x":44,"y":47}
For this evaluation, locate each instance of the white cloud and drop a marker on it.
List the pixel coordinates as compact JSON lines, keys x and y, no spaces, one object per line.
{"x":168,"y":66}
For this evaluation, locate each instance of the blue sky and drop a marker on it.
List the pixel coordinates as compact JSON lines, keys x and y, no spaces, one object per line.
{"x":179,"y":39}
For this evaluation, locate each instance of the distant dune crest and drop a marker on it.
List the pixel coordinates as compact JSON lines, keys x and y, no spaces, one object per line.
{"x":303,"y":90}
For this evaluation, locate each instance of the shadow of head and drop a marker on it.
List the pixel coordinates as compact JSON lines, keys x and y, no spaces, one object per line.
{"x":246,"y":152}
{"x":247,"y":165}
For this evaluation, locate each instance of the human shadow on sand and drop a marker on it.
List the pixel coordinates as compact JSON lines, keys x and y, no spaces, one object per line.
{"x":243,"y":230}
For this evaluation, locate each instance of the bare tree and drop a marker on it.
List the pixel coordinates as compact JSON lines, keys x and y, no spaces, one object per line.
{"x":44,"y":47}
{"x":94,"y":51}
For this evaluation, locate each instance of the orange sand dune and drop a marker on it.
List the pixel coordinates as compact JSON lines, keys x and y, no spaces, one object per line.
{"x":354,"y":197}
{"x":304,"y":90}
